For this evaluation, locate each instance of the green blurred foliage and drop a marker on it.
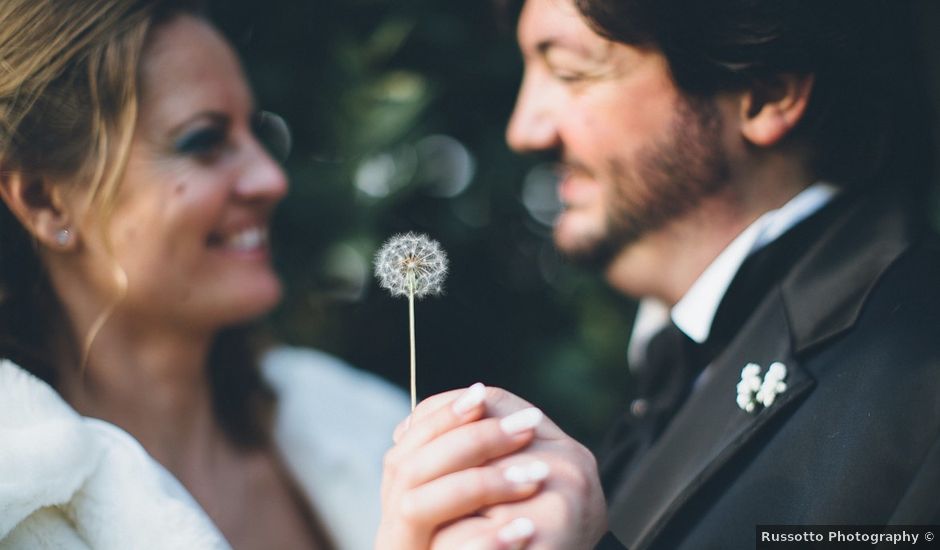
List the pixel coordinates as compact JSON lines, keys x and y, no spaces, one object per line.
{"x":398,"y":111}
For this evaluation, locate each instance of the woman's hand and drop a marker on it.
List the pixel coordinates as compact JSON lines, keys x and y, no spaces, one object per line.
{"x":476,"y":509}
{"x":441,"y":470}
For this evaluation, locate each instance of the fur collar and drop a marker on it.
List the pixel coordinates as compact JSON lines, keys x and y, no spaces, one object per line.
{"x":60,"y":472}
{"x":73,"y":482}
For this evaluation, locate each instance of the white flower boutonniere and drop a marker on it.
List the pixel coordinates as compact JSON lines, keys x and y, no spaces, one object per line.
{"x":754,"y":390}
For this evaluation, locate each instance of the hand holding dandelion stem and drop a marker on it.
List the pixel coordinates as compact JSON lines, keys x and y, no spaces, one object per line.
{"x":411,"y":265}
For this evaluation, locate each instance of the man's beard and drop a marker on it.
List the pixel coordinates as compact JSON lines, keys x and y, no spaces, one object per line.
{"x":666,"y":180}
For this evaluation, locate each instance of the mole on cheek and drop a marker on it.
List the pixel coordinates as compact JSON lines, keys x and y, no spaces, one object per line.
{"x":180,"y":188}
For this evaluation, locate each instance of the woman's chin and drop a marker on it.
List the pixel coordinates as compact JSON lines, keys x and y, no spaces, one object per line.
{"x":251,"y":304}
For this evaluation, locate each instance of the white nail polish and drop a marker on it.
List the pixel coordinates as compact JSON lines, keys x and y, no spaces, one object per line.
{"x":470,"y":398}
{"x":518,"y":529}
{"x":520,"y":421}
{"x":532,"y":472}
{"x":538,"y":471}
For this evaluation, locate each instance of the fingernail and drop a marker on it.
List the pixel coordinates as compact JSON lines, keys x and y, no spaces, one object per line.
{"x":518,"y":529}
{"x":532,"y":472}
{"x":470,"y":398}
{"x":520,"y":421}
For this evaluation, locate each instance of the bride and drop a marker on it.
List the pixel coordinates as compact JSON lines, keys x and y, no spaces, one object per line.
{"x":133,"y":251}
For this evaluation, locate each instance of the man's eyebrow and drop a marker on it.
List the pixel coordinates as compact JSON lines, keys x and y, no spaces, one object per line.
{"x":548,"y":44}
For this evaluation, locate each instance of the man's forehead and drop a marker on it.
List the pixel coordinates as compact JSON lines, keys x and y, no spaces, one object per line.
{"x":544,"y":24}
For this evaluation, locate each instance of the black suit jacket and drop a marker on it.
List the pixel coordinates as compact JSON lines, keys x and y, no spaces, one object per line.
{"x":850,"y":304}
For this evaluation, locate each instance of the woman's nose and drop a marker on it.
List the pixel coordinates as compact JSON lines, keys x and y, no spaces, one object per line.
{"x":262,"y":177}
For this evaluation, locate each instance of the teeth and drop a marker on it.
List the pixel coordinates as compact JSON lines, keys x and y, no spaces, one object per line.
{"x":248,"y":239}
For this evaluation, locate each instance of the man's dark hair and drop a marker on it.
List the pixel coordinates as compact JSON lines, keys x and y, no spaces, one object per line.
{"x":868,"y":116}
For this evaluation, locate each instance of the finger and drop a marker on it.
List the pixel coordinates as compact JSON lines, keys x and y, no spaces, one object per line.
{"x":499,"y":402}
{"x":430,"y":404}
{"x":475,"y":535}
{"x":502,"y":402}
{"x":461,"y":407}
{"x":460,"y":402}
{"x":425,"y":408}
{"x":516,"y":534}
{"x":464,"y":447}
{"x":462,"y":493}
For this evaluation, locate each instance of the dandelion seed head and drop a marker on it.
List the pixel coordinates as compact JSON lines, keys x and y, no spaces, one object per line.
{"x":411,"y":255}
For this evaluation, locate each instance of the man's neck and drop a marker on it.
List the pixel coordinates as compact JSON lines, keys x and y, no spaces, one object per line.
{"x":665,"y":263}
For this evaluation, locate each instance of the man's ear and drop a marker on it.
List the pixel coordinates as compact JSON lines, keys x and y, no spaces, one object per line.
{"x":772,"y":107}
{"x":40,"y":207}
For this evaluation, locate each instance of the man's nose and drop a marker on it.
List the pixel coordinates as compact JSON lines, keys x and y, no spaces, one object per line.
{"x":532,"y":126}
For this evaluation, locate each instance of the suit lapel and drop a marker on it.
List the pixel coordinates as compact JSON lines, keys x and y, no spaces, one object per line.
{"x":827,"y":289}
{"x":818,"y":299}
{"x":707,"y":431}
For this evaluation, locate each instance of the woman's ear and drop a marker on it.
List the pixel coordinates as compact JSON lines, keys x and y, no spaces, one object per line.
{"x":772,"y":107}
{"x":40,"y":207}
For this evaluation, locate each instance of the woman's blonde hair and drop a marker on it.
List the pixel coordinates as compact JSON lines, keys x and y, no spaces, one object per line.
{"x":68,"y":88}
{"x":69,"y":73}
{"x":68,"y":107}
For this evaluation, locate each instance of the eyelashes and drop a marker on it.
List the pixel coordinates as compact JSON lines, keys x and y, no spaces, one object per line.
{"x":203,"y":143}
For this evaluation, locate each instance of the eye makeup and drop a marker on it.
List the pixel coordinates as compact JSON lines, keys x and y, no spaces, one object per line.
{"x":200,"y":141}
{"x":205,"y":138}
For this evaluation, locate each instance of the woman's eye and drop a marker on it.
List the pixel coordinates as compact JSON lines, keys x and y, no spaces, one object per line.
{"x":203,"y":142}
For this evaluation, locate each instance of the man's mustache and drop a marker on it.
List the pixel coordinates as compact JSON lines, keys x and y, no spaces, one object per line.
{"x":569,"y":166}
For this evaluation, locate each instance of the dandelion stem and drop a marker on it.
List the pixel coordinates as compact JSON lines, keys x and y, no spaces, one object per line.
{"x":411,"y":327}
{"x":411,"y":265}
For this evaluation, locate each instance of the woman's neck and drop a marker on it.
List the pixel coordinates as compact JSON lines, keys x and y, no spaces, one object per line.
{"x":152,"y":384}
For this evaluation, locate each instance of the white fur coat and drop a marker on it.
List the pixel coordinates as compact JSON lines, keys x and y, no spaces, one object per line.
{"x":68,"y":482}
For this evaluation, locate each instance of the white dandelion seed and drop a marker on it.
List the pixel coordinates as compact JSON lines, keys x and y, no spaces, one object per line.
{"x":411,"y":265}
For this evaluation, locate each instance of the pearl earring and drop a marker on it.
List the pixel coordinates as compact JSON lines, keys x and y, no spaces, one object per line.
{"x":63,"y":237}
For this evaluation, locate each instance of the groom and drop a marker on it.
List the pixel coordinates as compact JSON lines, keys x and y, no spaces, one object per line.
{"x":756,"y":168}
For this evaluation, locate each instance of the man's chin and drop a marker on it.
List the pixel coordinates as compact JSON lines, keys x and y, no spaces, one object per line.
{"x":589,"y":253}
{"x":596,"y":251}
